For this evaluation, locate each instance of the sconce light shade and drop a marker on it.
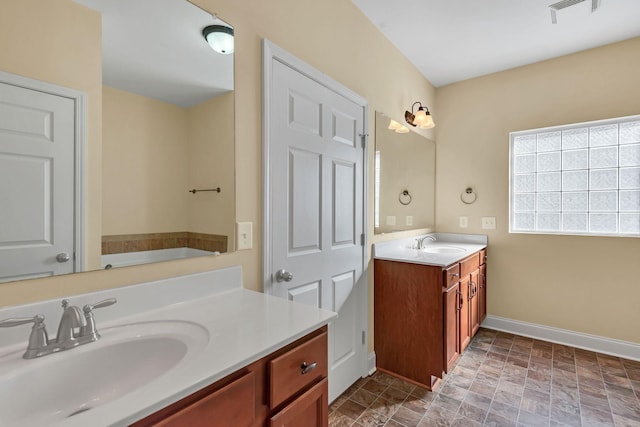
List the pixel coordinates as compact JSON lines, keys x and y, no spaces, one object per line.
{"x":220,"y":38}
{"x":397,"y":127}
{"x":421,"y":118}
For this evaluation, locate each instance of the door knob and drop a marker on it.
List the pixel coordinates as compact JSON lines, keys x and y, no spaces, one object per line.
{"x":63,"y":257}
{"x":283,"y":276}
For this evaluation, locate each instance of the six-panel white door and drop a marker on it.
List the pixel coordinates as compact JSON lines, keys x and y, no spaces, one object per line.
{"x":37,"y":140}
{"x":316,"y":198}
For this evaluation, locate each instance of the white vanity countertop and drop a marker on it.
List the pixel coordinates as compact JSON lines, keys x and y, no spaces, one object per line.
{"x":242,"y":326}
{"x":402,"y":249}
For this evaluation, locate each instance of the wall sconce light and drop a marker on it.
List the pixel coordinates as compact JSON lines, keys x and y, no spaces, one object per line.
{"x":421,"y":118}
{"x":397,"y":127}
{"x":220,"y":38}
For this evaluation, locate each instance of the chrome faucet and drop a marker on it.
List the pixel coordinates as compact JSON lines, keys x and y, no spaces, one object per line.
{"x":420,"y":241}
{"x":71,"y":319}
{"x":67,"y":337}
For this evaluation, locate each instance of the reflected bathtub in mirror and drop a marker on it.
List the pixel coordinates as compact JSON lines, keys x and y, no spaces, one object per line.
{"x":404,"y":174}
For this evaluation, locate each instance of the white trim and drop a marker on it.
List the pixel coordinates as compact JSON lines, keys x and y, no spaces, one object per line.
{"x":80,"y":114}
{"x":371,"y":363}
{"x":614,"y":347}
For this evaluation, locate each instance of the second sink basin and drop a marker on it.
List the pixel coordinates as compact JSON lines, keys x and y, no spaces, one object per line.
{"x":443,"y":250}
{"x":66,"y":384}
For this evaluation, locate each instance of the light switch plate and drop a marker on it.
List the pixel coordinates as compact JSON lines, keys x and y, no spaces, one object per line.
{"x":391,"y":220}
{"x":244,"y":235}
{"x":464,"y":222}
{"x":408,"y":220}
{"x":489,"y":222}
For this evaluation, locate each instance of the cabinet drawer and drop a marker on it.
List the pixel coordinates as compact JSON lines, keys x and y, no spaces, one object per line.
{"x":451,"y":275}
{"x":287,"y":375}
{"x":469,"y":265}
{"x":483,"y":256}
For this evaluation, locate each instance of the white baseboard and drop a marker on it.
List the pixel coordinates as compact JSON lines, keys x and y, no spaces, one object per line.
{"x":371,"y":362}
{"x":613,"y":347}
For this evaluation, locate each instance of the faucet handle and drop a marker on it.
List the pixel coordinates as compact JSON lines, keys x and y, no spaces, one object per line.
{"x":89,"y":330}
{"x":17,"y":321}
{"x":38,"y":339}
{"x":104,"y":303}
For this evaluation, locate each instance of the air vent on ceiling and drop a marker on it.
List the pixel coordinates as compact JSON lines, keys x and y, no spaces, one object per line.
{"x":566,"y":3}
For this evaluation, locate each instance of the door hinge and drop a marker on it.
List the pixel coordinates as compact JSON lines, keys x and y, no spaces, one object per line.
{"x":364,"y":337}
{"x":363,"y":138}
{"x":362,"y":239}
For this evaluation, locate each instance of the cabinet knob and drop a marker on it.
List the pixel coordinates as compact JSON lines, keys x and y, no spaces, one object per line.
{"x":305,"y":369}
{"x":454,"y":274}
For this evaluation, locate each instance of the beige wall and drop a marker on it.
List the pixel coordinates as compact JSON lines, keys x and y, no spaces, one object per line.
{"x":153,"y":152}
{"x":144,"y":165}
{"x":210,"y":128}
{"x":584,"y":284}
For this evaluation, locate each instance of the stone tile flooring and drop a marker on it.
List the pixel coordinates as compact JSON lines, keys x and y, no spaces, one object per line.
{"x":503,"y":380}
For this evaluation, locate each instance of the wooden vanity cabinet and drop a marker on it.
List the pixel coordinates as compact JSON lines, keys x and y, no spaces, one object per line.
{"x":425,"y":316}
{"x":451,"y":326}
{"x":464,"y":311}
{"x":276,"y":390}
{"x":482,"y":285}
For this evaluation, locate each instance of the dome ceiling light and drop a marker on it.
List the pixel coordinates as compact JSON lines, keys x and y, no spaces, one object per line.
{"x":220,"y":38}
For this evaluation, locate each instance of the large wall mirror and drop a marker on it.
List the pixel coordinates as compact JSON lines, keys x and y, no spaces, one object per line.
{"x":167,"y":129}
{"x":404,"y":176}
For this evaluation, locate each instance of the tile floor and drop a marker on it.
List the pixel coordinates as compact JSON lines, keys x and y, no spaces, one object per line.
{"x":503,"y":380}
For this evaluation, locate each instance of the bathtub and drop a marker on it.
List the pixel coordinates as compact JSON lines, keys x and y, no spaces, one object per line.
{"x":145,"y":257}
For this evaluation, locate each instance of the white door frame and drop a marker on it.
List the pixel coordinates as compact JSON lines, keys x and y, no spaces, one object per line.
{"x":270,"y":52}
{"x":80,"y":114}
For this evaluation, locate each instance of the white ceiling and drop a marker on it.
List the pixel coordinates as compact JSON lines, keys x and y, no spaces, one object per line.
{"x":155,"y":48}
{"x":453,"y":40}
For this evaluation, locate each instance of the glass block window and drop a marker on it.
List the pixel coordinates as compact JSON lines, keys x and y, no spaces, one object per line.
{"x":576,"y":179}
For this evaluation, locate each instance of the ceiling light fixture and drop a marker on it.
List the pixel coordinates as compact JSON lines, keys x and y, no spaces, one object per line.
{"x":220,"y":38}
{"x":421,"y":118}
{"x":566,"y":3}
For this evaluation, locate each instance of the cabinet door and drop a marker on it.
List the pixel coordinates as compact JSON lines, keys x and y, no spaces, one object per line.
{"x":232,"y":406}
{"x":474,"y":308}
{"x":451,"y":326}
{"x":463,"y":305}
{"x":482,"y":293}
{"x":311,"y":409}
{"x":408,"y":317}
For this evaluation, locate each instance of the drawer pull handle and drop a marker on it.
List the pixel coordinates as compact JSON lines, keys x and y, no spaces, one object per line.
{"x":454,"y":274}
{"x":305,"y":369}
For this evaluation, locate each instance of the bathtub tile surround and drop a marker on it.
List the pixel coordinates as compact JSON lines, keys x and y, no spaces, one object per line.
{"x":503,"y":380}
{"x":123,"y":243}
{"x":242,"y":326}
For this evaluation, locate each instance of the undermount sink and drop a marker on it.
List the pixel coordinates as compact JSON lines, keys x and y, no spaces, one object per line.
{"x":47,"y":390}
{"x":443,"y":250}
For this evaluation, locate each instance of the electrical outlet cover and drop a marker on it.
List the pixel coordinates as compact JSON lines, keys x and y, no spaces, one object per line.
{"x":489,"y":222}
